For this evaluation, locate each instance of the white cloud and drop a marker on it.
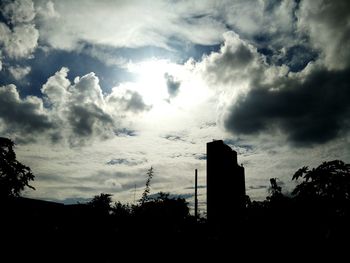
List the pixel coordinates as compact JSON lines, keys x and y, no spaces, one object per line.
{"x":79,"y":108}
{"x":73,"y":112}
{"x":46,"y":10}
{"x":234,"y":63}
{"x":21,"y":42}
{"x":18,"y":72}
{"x":127,"y":24}
{"x":19,"y":11}
{"x":56,"y":87}
{"x":271,"y":21}
{"x":83,"y":111}
{"x":113,"y":184}
{"x":21,"y":39}
{"x":84,"y":171}
{"x":327,"y":25}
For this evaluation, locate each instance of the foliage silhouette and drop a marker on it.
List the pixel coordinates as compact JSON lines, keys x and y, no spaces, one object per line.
{"x":319,"y":207}
{"x":275,"y":191}
{"x":121,"y":210}
{"x":323,"y":198}
{"x":145,"y":193}
{"x":14,"y":176}
{"x":101,"y":203}
{"x":330,"y":180}
{"x":164,"y":208}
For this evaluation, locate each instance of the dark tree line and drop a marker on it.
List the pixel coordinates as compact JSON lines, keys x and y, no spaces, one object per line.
{"x":316,"y":214}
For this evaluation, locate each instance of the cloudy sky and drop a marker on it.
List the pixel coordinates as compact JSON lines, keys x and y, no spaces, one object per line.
{"x":94,"y":93}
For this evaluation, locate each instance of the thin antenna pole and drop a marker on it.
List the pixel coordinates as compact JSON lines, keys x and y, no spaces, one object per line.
{"x":134,"y":193}
{"x":196,"y":195}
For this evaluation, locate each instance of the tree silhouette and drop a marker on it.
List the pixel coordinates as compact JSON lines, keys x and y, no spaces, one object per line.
{"x":323,"y":198}
{"x":161,"y":217}
{"x":145,"y":193}
{"x":168,"y":208}
{"x":275,"y":190}
{"x":330,"y":180}
{"x":101,"y":203}
{"x":14,"y":176}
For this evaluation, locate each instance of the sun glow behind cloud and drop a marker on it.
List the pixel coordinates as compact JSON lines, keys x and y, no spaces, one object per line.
{"x":153,"y":81}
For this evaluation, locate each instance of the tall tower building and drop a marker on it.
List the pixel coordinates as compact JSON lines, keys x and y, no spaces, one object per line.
{"x":225,"y":184}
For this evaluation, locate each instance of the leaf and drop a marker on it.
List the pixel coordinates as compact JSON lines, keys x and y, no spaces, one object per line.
{"x":300,"y":173}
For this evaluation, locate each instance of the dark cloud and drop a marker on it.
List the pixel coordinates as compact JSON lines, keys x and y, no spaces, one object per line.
{"x":117,"y":161}
{"x":119,"y":181}
{"x":270,"y":5}
{"x":84,"y":118}
{"x":136,"y":103}
{"x":22,"y":116}
{"x":96,"y":189}
{"x":174,"y":138}
{"x":256,"y":187}
{"x":199,"y":187}
{"x":74,"y":200}
{"x":299,"y":88}
{"x":314,"y":110}
{"x":124,"y":132}
{"x":138,"y":183}
{"x":54,"y":178}
{"x":239,"y":145}
{"x":172,"y":85}
{"x":207,"y":125}
{"x":240,"y":57}
{"x":181,"y":136}
{"x":128,"y":101}
{"x":297,"y":57}
{"x":200,"y":156}
{"x":172,"y":196}
{"x":197,"y":51}
{"x":129,"y":162}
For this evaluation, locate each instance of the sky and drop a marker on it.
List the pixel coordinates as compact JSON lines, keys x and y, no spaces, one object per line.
{"x":94,"y":93}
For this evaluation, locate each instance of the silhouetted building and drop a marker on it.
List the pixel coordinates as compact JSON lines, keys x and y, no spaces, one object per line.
{"x":225,"y":184}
